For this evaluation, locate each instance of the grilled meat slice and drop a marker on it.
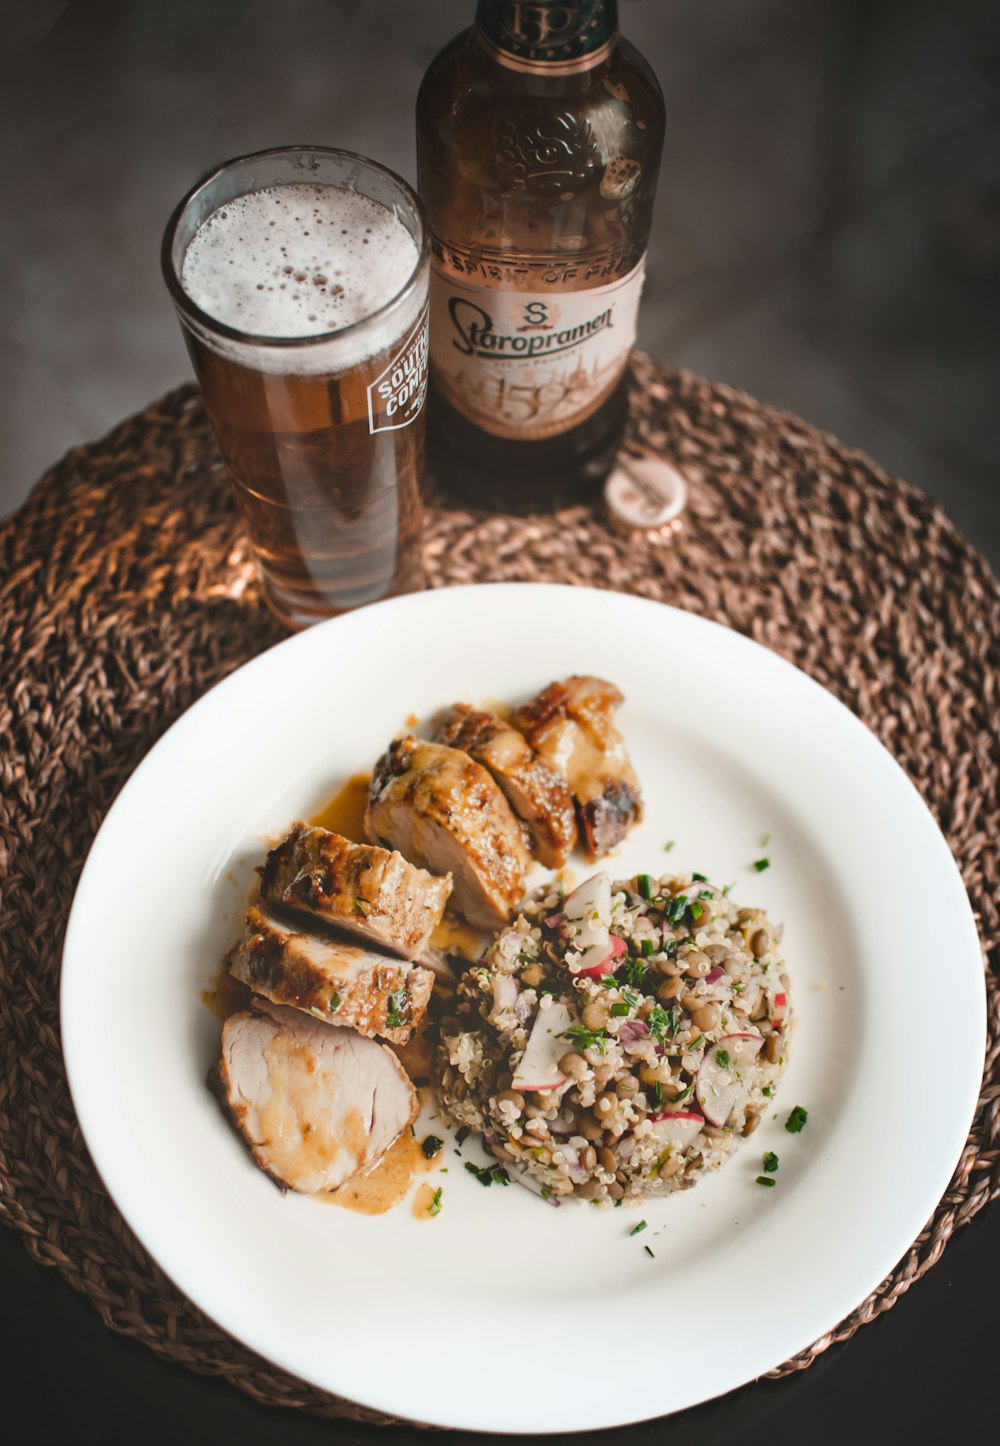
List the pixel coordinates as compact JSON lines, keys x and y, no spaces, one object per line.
{"x":534,"y":791}
{"x":370,"y":892}
{"x":340,"y":982}
{"x":571,"y":726}
{"x":316,"y":1104}
{"x":443,"y":810}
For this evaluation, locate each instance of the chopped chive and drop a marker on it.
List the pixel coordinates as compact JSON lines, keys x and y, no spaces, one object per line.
{"x":317,"y":1012}
{"x":695,"y":1043}
{"x":644,"y":885}
{"x":432,"y":1146}
{"x":696,"y":911}
{"x":684,"y":1094}
{"x":647,"y":948}
{"x":333,"y":1003}
{"x":398,"y":1010}
{"x":761,"y":864}
{"x":766,"y":1180}
{"x":767,"y":1091}
{"x":770,"y":1162}
{"x":649,"y":1252}
{"x":638,"y":1229}
{"x":699,"y":878}
{"x":463,"y":1134}
{"x":434,"y":1208}
{"x":668,"y":845}
{"x":363,"y":907}
{"x":726,"y":888}
{"x":796,"y":1120}
{"x":765,"y":841}
{"x":618,"y":1011}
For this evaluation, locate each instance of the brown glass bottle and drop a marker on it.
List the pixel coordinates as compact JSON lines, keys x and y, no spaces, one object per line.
{"x":539,"y":132}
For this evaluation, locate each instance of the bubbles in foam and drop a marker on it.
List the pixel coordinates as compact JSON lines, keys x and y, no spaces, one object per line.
{"x":297,"y":260}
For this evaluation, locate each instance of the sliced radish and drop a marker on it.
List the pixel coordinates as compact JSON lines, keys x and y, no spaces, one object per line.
{"x":587,"y":913}
{"x":779,"y":1006}
{"x":678,"y":1129}
{"x":505,"y":991}
{"x":539,"y":1066}
{"x":521,"y":1176}
{"x":718,"y":1088}
{"x":601,"y":959}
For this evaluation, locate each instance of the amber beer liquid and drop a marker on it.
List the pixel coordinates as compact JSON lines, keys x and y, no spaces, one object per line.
{"x":539,"y":133}
{"x":300,"y":279}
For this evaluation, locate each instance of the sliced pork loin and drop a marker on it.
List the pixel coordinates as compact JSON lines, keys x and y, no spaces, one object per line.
{"x":443,"y":810}
{"x":316,"y":1104}
{"x":371,"y":892}
{"x":571,"y":725}
{"x":340,"y":982}
{"x":534,"y":791}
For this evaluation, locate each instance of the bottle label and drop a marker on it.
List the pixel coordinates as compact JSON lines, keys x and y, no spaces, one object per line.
{"x":537,"y":33}
{"x":397,"y":394}
{"x":530,"y":365}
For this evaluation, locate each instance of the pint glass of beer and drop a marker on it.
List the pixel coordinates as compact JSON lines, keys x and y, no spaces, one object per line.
{"x":300,"y":279}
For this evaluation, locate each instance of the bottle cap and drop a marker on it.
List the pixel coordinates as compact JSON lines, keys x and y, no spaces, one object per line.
{"x":645,"y":496}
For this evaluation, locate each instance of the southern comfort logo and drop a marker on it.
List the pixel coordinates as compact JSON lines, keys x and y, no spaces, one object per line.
{"x":476,"y":335}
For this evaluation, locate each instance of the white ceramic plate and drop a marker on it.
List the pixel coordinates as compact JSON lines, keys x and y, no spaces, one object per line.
{"x":503,"y":1314}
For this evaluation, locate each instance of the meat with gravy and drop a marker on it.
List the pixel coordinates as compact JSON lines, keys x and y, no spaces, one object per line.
{"x":442,"y":809}
{"x":341,"y":982}
{"x":315,"y":1103}
{"x":373,"y":893}
{"x":535,"y":792}
{"x":571,"y":726}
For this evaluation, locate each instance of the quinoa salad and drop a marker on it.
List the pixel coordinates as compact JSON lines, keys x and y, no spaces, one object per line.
{"x":617,"y":1043}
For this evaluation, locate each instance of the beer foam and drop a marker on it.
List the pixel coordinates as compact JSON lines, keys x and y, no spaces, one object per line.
{"x":297,"y":260}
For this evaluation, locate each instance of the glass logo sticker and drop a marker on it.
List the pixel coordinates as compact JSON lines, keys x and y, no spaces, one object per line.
{"x":397,"y":394}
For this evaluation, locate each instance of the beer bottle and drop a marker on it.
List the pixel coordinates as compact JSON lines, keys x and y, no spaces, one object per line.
{"x":539,"y":132}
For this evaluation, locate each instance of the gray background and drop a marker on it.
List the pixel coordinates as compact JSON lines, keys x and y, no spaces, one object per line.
{"x":827,"y":232}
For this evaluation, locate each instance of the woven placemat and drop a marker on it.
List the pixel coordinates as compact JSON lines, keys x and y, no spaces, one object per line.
{"x":126,"y":591}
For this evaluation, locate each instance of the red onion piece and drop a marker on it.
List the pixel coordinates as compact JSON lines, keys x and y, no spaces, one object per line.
{"x":553,"y":921}
{"x":632,"y":1030}
{"x":714,"y":975}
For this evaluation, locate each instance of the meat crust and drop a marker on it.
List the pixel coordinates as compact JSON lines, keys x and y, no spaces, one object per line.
{"x":340,"y":982}
{"x":571,"y":726}
{"x":373,"y":893}
{"x":535,"y":792}
{"x":443,"y":810}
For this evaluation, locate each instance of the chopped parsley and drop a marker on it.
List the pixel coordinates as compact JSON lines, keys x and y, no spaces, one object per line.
{"x":333,"y":1002}
{"x":585,"y":1038}
{"x":770,"y":1162}
{"x":432,"y":1146}
{"x":463,"y":1134}
{"x":363,"y":907}
{"x":633,"y":972}
{"x":796,"y":1120}
{"x":434,"y":1208}
{"x":488,"y":1174}
{"x":761,"y":864}
{"x":673,"y":909}
{"x":722,"y":1058}
{"x":644,"y":885}
{"x":767,"y":1091}
{"x":664,"y":1022}
{"x":638,"y":1229}
{"x":398,"y":1012}
{"x":766,"y":1180}
{"x":649,"y":1252}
